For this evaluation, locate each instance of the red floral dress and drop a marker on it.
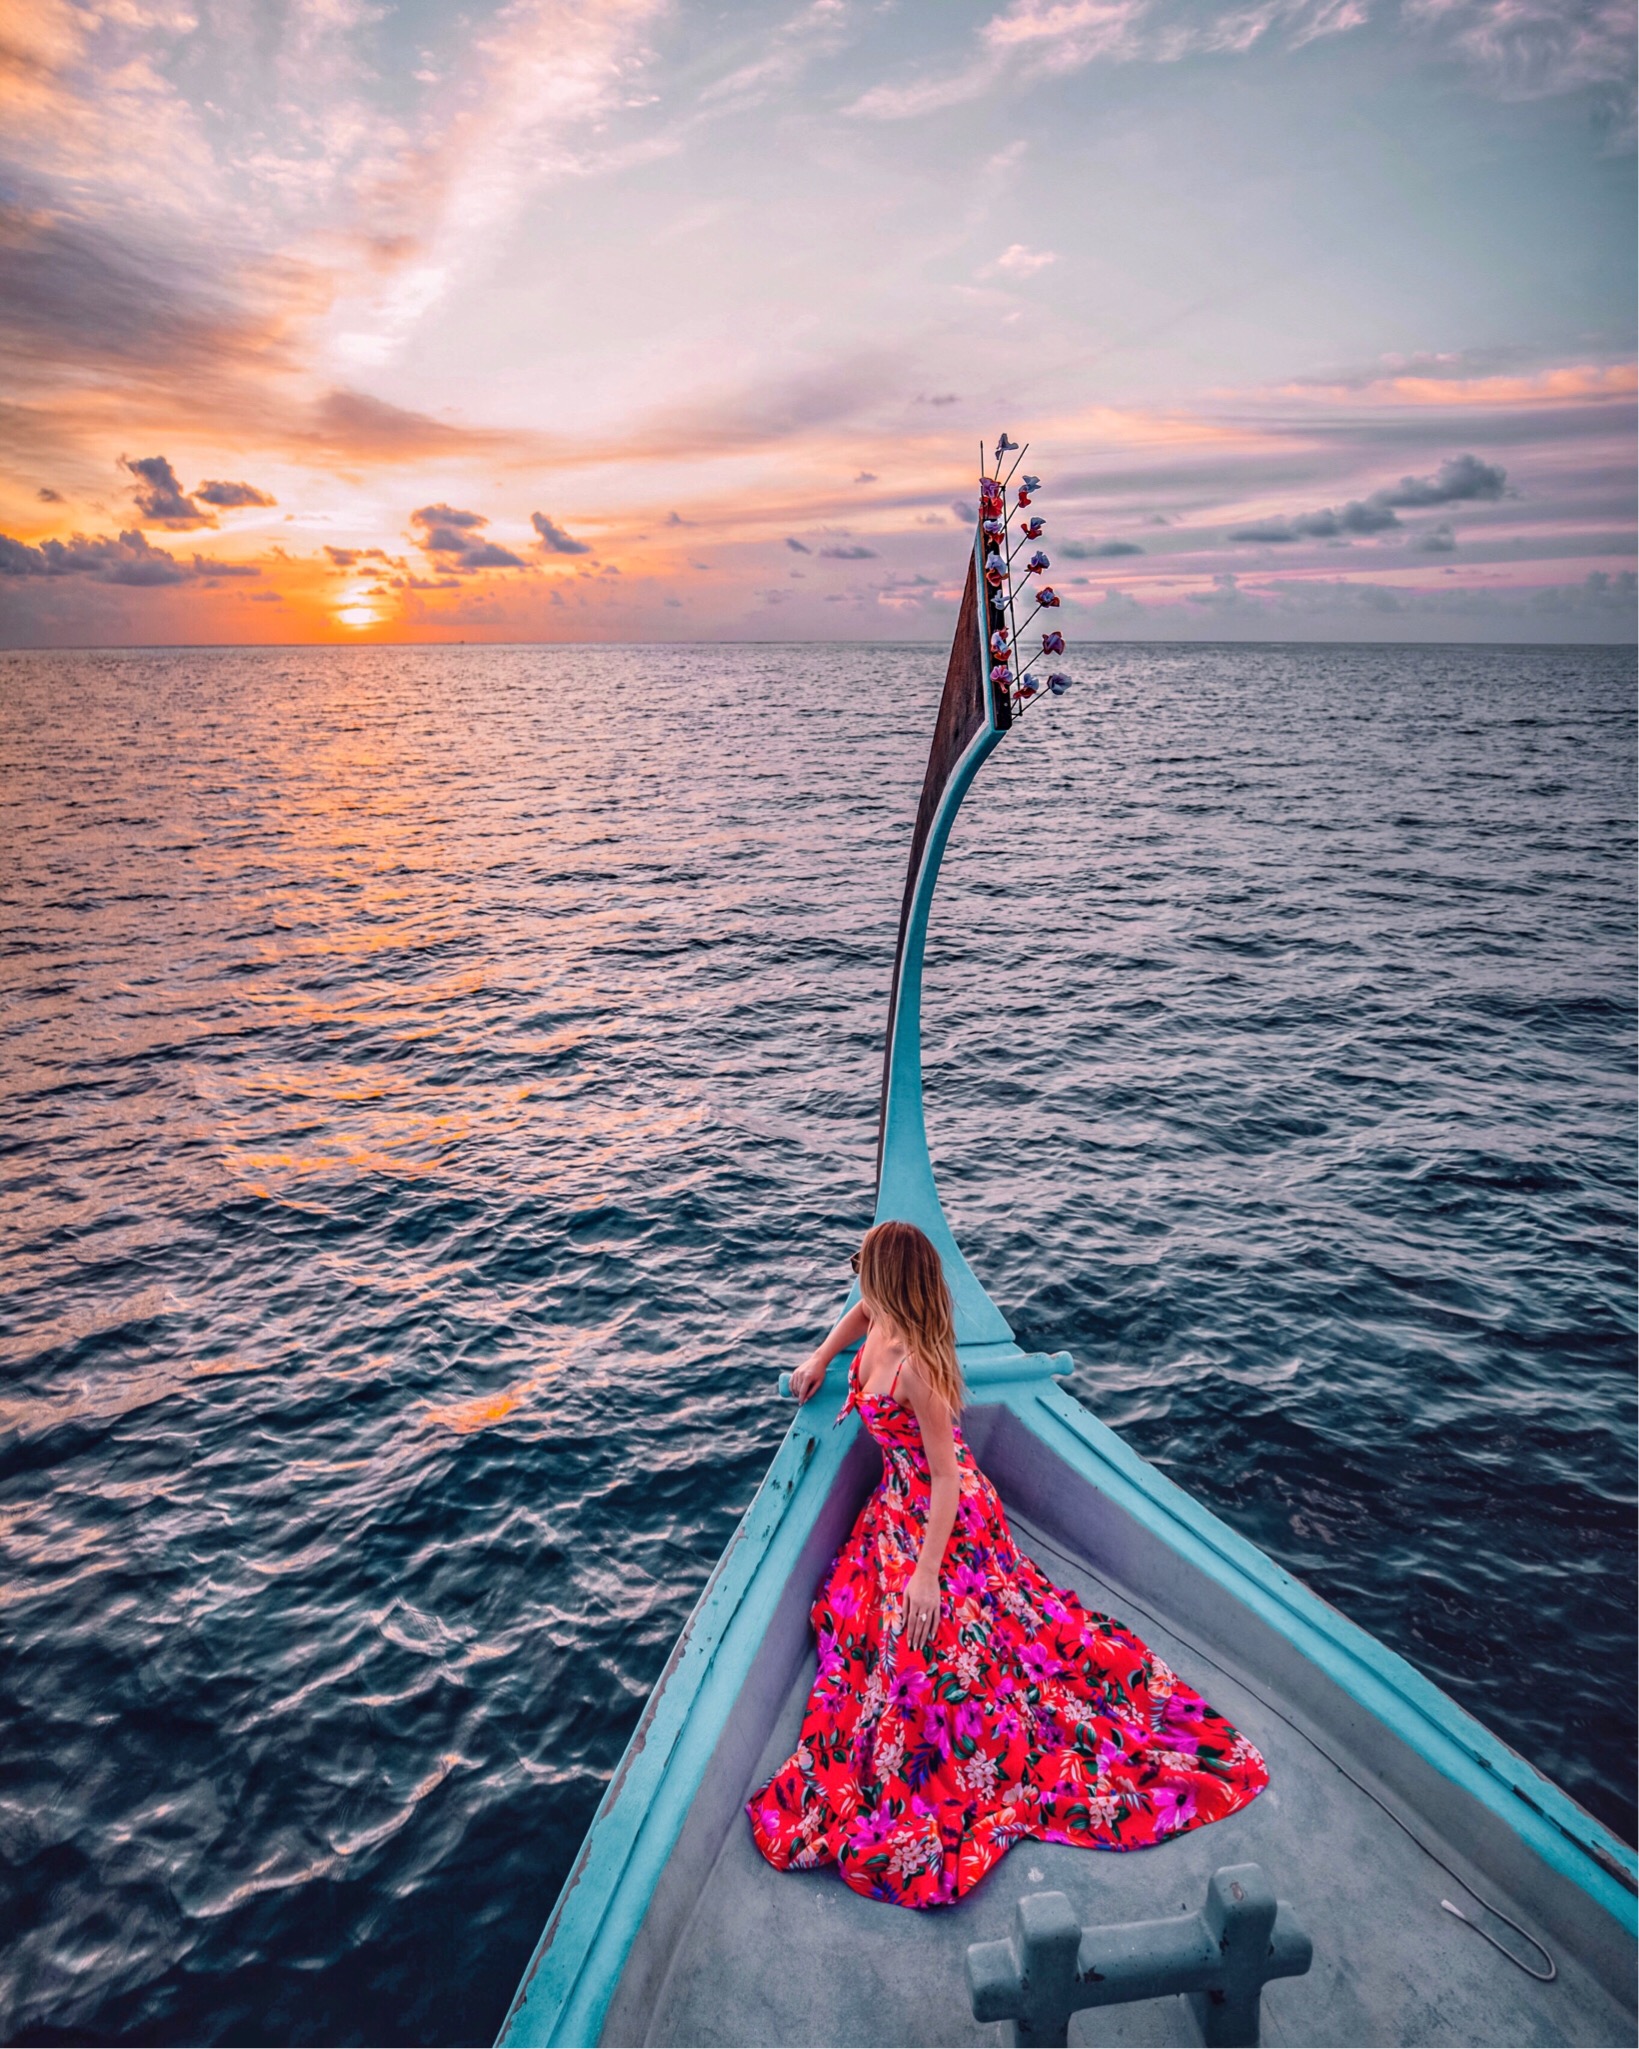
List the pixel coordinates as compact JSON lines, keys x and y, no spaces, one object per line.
{"x":1025,"y":1715}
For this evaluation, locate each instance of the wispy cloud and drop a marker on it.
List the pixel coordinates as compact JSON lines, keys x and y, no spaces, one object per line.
{"x":1599,"y":606}
{"x":1034,"y":37}
{"x":1534,"y":49}
{"x":1474,"y":378}
{"x":353,"y":425}
{"x":1019,"y":261}
{"x":546,"y":76}
{"x":1516,"y":48}
{"x":819,"y":29}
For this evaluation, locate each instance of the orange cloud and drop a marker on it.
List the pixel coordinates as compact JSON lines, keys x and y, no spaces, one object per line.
{"x":1578,"y":384}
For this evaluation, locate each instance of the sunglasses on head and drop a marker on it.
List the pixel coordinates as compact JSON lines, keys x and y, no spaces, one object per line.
{"x":853,"y":1261}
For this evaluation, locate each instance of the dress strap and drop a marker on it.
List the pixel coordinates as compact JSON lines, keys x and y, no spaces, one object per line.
{"x":853,"y":1391}
{"x":893,"y":1384}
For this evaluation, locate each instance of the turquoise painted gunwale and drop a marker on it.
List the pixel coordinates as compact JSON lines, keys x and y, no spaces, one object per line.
{"x":566,"y":1991}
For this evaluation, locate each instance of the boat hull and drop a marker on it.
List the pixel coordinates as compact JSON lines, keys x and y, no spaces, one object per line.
{"x":1385,"y":1796}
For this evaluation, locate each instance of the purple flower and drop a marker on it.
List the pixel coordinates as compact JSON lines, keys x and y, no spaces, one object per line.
{"x":910,"y":1688}
{"x":873,"y":1827}
{"x":1174,"y":1808}
{"x":1038,"y":1662}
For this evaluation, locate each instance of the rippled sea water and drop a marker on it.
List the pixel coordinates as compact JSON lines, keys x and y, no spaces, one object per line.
{"x":440,"y":1093}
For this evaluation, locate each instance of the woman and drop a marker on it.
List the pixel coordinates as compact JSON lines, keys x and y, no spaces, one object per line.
{"x":963,"y":1701}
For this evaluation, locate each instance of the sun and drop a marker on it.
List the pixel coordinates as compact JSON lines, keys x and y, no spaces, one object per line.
{"x":357,"y":615}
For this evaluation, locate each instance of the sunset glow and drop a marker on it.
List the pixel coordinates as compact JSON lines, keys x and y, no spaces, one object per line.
{"x":619,"y":319}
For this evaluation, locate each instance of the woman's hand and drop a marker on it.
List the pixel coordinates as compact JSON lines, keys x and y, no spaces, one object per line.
{"x":807,"y":1377}
{"x":921,"y":1607}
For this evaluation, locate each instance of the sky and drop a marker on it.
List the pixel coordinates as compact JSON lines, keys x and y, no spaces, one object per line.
{"x":633,"y":320}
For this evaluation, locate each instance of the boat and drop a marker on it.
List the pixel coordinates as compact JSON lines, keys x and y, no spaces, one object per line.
{"x":1435,"y":1888}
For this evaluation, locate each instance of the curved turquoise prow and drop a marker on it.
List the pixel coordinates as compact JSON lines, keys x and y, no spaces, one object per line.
{"x":972,"y":719}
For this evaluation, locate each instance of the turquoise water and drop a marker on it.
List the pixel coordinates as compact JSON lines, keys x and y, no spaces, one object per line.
{"x":441,"y":1091}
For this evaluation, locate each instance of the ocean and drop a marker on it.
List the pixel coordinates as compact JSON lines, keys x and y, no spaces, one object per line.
{"x":440,"y":1098}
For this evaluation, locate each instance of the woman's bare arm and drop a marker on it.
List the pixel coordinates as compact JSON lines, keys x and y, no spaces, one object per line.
{"x":845,"y":1332}
{"x":939,"y":1442}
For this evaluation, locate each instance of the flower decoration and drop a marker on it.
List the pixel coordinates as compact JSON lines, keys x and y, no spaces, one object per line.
{"x":1023,"y":687}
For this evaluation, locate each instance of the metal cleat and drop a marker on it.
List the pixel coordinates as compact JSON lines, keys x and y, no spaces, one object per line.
{"x":1220,"y":1958}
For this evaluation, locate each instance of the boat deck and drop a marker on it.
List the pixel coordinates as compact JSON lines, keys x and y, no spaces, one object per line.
{"x":773,"y":1958}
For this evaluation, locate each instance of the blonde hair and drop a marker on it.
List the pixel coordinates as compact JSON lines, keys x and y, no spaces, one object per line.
{"x":900,"y":1275}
